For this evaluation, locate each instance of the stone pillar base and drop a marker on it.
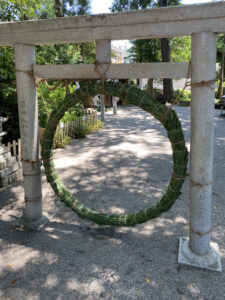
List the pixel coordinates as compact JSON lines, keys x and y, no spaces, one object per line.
{"x":32,"y":225}
{"x":210,"y":261}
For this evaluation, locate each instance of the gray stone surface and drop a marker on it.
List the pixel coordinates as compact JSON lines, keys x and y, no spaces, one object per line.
{"x":210,"y":261}
{"x":203,"y":53}
{"x":3,"y":149}
{"x":29,"y":131}
{"x":137,"y":70}
{"x":10,"y":168}
{"x":124,"y":167}
{"x":142,"y":24}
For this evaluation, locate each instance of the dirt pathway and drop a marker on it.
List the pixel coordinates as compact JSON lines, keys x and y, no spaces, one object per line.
{"x":124,"y":167}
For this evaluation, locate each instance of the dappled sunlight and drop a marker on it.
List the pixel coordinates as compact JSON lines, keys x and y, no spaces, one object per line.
{"x":91,"y":289}
{"x":51,"y":281}
{"x":180,"y":220}
{"x":16,"y":257}
{"x":73,"y":258}
{"x":9,"y":212}
{"x":116,"y":210}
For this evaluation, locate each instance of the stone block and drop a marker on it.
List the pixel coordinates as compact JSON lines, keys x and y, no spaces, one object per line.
{"x":3,"y":149}
{"x":210,"y":261}
{"x":10,"y":178}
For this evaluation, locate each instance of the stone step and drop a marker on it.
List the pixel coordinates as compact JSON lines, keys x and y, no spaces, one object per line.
{"x":3,"y":149}
{"x":10,"y":170}
{"x":4,"y":181}
{"x":6,"y":155}
{"x":7,"y":162}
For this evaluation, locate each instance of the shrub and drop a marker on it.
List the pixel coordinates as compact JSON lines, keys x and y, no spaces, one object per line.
{"x":186,"y":95}
{"x":96,"y":127}
{"x":82,"y":131}
{"x":62,"y":143}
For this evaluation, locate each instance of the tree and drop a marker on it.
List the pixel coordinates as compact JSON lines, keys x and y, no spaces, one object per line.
{"x":145,"y":50}
{"x":166,"y":57}
{"x":221,"y":60}
{"x":125,"y":5}
{"x":149,"y":50}
{"x":14,"y":10}
{"x":180,"y":49}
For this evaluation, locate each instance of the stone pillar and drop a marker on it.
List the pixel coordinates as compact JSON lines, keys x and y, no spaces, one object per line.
{"x":115,"y":99}
{"x":198,"y":251}
{"x":29,"y":132}
{"x":102,"y":99}
{"x":103,"y":58}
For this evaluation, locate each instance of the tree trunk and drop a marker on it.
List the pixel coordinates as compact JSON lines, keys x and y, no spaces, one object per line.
{"x":108,"y":100}
{"x":165,"y":49}
{"x":59,"y":8}
{"x":88,"y":103}
{"x":220,"y":88}
{"x":150,"y":90}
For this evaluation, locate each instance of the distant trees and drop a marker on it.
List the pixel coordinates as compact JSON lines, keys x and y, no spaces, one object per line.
{"x":221,"y":61}
{"x":14,"y":10}
{"x":166,"y":54}
{"x":149,"y":50}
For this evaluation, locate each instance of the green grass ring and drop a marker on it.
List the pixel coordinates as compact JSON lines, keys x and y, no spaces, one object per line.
{"x":134,"y":96}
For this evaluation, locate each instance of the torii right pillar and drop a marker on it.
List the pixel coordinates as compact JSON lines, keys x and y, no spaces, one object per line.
{"x":198,"y":250}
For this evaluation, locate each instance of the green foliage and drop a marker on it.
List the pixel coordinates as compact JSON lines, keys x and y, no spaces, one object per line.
{"x":76,"y":7}
{"x":149,"y":50}
{"x":20,"y":10}
{"x":60,"y":142}
{"x":9,"y":108}
{"x":220,"y":47}
{"x":144,"y":51}
{"x":99,"y":125}
{"x":125,"y":5}
{"x":65,"y":8}
{"x":180,"y":49}
{"x":48,"y":100}
{"x":82,"y":131}
{"x":8,"y":97}
{"x":186,"y":95}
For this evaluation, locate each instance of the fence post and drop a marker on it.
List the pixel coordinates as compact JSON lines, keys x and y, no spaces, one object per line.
{"x":19,"y":149}
{"x":198,"y":250}
{"x":29,"y":132}
{"x":103,"y":57}
{"x":14,"y":148}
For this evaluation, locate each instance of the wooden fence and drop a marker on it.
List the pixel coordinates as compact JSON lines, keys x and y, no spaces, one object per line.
{"x":15,"y":148}
{"x":68,"y":129}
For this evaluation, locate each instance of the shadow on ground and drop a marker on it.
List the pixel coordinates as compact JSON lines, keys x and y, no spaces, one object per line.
{"x":125,"y":167}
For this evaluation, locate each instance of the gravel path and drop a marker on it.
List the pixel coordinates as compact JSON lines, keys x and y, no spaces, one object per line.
{"x":124,"y":167}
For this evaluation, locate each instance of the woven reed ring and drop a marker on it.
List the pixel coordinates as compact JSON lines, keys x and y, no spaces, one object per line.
{"x":136,"y":97}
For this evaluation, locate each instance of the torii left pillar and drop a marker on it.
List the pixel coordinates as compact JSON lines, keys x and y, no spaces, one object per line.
{"x":29,"y":133}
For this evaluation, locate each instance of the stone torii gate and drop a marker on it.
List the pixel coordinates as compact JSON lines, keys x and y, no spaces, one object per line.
{"x":202,"y":22}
